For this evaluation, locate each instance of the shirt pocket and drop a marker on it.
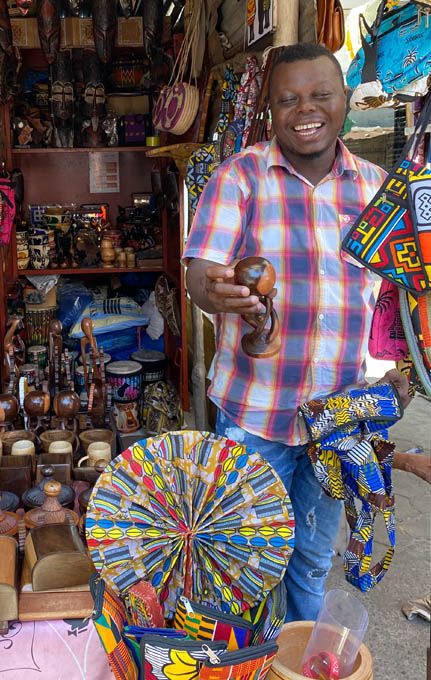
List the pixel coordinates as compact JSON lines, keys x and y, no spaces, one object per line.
{"x":346,"y":222}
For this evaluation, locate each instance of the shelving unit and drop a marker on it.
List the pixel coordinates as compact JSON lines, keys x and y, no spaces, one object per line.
{"x":61,"y":175}
{"x":155,"y":265}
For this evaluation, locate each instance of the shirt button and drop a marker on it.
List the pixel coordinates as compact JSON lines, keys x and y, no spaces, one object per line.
{"x":321,"y":316}
{"x":322,"y":271}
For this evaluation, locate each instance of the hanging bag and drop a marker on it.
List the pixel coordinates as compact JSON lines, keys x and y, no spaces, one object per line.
{"x":330,"y":24}
{"x":178,"y":102}
{"x":394,"y":61}
{"x":392,"y":236}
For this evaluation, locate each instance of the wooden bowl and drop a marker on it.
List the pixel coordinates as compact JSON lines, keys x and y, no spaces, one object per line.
{"x":89,"y":436}
{"x":50,"y":436}
{"x":9,"y":438}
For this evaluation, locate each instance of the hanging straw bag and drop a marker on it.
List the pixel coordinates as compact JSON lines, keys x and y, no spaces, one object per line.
{"x":178,"y":102}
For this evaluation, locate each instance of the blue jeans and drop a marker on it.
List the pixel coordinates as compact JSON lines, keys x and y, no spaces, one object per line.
{"x":316,"y":519}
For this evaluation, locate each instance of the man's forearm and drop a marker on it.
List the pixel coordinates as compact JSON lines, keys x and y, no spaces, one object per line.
{"x":197,"y":284}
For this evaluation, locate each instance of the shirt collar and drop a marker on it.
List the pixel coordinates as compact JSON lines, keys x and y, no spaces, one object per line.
{"x":345,"y":162}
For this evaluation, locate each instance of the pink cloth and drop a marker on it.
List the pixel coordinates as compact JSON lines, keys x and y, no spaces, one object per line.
{"x":53,"y":650}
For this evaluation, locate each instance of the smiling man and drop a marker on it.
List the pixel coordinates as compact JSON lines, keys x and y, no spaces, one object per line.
{"x":290,"y":200}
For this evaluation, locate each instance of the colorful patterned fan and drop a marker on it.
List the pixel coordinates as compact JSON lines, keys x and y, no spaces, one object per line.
{"x":194,"y":514}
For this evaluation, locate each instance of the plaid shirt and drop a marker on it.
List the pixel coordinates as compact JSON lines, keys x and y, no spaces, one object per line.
{"x":257,"y":204}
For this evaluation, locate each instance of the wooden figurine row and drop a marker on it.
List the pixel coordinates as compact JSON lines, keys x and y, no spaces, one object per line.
{"x":66,"y":404}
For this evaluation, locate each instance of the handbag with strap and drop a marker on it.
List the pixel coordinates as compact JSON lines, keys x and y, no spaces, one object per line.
{"x":394,"y":61}
{"x":416,"y":318}
{"x":387,"y":340}
{"x":352,"y":460}
{"x":392,"y":236}
{"x":330,"y":24}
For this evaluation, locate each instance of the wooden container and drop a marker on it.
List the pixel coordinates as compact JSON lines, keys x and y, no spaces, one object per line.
{"x":98,"y":435}
{"x":292,"y":642}
{"x":61,"y":463}
{"x":9,"y":438}
{"x":15,"y":473}
{"x":8,"y":591}
{"x":50,"y":436}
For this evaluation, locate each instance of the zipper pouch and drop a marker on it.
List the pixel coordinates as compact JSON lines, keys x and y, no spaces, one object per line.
{"x":268,"y":616}
{"x":132,"y":636}
{"x":174,"y":659}
{"x":243,"y":664}
{"x":207,"y":623}
{"x":143,"y":606}
{"x":109,"y":618}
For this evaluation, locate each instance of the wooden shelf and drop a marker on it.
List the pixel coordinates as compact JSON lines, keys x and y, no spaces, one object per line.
{"x":155,"y":265}
{"x":88,"y":149}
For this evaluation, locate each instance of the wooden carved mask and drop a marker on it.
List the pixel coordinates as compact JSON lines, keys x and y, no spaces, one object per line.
{"x":104,"y":28}
{"x":48,"y":21}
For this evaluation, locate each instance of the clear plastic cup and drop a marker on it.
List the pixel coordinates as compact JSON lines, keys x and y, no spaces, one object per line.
{"x":336,"y":637}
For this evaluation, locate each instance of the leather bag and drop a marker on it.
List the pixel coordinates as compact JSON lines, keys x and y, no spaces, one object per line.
{"x":330,"y":24}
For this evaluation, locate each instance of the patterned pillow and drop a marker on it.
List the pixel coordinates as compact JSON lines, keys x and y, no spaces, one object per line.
{"x":110,"y":315}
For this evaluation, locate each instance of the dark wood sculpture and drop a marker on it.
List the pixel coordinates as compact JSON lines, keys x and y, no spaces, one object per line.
{"x":258,"y":275}
{"x":51,"y":512}
{"x":94,"y":382}
{"x":54,"y":355}
{"x":14,"y":352}
{"x":5,"y":28}
{"x":36,"y":406}
{"x":104,"y":14}
{"x":153,"y":21}
{"x":9,"y":408}
{"x":66,"y":407}
{"x":48,"y":23}
{"x":24,"y":6}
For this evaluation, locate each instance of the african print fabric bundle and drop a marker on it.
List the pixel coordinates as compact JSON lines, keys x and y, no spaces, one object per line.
{"x":352,"y":460}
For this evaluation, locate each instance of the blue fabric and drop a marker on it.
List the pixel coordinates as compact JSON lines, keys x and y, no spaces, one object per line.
{"x":316,"y":519}
{"x":403,"y":52}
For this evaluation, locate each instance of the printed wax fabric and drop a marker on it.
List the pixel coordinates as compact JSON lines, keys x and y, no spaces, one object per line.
{"x":109,"y":618}
{"x":387,"y":340}
{"x":196,"y":515}
{"x":204,"y":161}
{"x":52,"y":650}
{"x":392,"y":236}
{"x":268,"y":616}
{"x":352,"y":460}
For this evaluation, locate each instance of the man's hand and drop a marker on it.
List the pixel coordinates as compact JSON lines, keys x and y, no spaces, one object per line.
{"x":401,"y":383}
{"x":212,"y":288}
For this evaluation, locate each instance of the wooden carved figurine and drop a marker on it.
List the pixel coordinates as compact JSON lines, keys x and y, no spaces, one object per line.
{"x":66,"y":407}
{"x":54,"y":355}
{"x":258,"y":275}
{"x":36,"y":406}
{"x":14,"y":352}
{"x":48,"y":23}
{"x":104,"y":28}
{"x":51,"y":511}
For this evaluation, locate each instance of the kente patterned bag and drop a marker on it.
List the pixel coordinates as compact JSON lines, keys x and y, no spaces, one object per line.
{"x":143,"y":606}
{"x":352,"y":460}
{"x":251,"y":663}
{"x":109,"y":618}
{"x":132,"y":636}
{"x":164,"y":658}
{"x":207,"y":623}
{"x":268,"y":616}
{"x":392,"y":236}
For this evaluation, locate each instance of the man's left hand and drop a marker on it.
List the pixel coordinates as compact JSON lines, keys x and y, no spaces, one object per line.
{"x":401,"y":383}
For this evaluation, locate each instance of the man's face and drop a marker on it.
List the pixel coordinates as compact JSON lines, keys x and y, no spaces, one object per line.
{"x":308,"y":107}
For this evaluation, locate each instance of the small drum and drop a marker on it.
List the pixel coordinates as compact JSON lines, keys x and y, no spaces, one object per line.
{"x":37,"y":354}
{"x":153,"y":364}
{"x":126,"y":416}
{"x":106,"y":359}
{"x":125,"y":378}
{"x":31,"y":372}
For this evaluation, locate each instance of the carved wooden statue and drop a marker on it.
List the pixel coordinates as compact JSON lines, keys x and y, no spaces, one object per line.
{"x":258,"y":275}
